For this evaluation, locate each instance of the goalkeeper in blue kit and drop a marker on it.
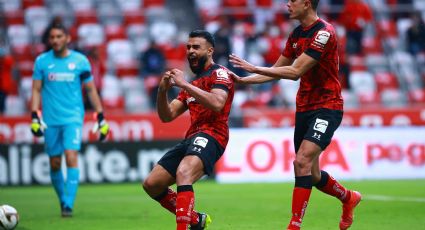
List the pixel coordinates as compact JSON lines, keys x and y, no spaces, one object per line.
{"x":57,"y":78}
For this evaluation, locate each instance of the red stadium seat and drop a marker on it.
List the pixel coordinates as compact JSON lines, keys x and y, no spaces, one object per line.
{"x":25,"y":68}
{"x":385,"y":81}
{"x":30,"y":3}
{"x":133,"y":17}
{"x":153,"y":3}
{"x":85,"y":16}
{"x":115,"y":32}
{"x":417,"y":96}
{"x":22,"y":52}
{"x":15,"y":17}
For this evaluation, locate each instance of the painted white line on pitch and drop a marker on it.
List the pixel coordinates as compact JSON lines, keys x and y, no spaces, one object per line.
{"x":393,"y":198}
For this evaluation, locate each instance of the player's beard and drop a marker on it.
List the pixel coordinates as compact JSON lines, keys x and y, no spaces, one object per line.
{"x":200,"y":66}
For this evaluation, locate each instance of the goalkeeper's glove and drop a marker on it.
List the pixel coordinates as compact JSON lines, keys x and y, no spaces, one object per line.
{"x":37,"y":124}
{"x":101,"y":126}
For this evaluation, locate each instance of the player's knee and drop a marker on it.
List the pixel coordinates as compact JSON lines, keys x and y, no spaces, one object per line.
{"x":55,"y":164}
{"x":302,"y":163}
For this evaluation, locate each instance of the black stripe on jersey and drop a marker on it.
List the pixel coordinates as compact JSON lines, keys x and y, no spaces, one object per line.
{"x":208,"y":71}
{"x":85,"y":75}
{"x":300,"y":33}
{"x":221,"y":86}
{"x":313,"y":53}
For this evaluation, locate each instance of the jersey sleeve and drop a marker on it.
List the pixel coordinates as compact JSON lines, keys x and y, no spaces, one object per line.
{"x":85,"y":74}
{"x":320,"y":43}
{"x":222,"y":80}
{"x":37,"y":73}
{"x":182,"y":96}
{"x":288,"y":51}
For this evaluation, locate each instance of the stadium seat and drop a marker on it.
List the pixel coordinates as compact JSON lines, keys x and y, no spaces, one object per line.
{"x":85,"y":17}
{"x":417,"y":96}
{"x":133,"y":17}
{"x":78,"y":5}
{"x":19,"y":35}
{"x":111,"y":93}
{"x":14,"y":17}
{"x":130,"y":5}
{"x":393,"y":98}
{"x":22,"y":52}
{"x":121,"y":57}
{"x":163,"y":32}
{"x":11,"y":5}
{"x":386,"y":80}
{"x":37,"y":18}
{"x":115,"y":31}
{"x":361,"y":81}
{"x":377,"y":63}
{"x":90,"y":34}
{"x":107,"y":14}
{"x":153,"y":3}
{"x":351,"y":100}
{"x":30,"y":3}
{"x":15,"y":106}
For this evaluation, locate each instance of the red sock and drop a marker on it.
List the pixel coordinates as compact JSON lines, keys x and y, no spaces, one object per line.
{"x":184,"y":206}
{"x":300,"y":199}
{"x":330,"y":186}
{"x":168,"y":201}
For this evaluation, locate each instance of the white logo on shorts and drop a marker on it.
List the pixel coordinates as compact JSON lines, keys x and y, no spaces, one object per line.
{"x":321,"y":125}
{"x":201,"y":141}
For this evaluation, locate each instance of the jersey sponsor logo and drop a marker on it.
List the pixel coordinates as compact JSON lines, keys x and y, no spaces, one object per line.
{"x":201,"y":141}
{"x":61,"y":77}
{"x":321,"y":125}
{"x":71,"y":66}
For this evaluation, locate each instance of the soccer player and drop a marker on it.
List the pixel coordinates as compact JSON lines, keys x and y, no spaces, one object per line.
{"x":208,"y":98}
{"x":311,"y":54}
{"x":57,"y":78}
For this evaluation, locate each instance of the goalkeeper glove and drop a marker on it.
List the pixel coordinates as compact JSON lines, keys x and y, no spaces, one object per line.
{"x":101,"y":126}
{"x":37,"y":124}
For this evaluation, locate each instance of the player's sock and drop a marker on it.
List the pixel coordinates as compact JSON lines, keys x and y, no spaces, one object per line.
{"x":58,"y":183}
{"x":168,"y":198}
{"x":71,"y":186}
{"x":330,"y":186}
{"x":185,"y":203}
{"x":300,"y":197}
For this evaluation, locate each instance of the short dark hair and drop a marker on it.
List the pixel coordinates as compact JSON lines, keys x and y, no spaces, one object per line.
{"x":314,"y":4}
{"x":58,"y":26}
{"x":203,"y":34}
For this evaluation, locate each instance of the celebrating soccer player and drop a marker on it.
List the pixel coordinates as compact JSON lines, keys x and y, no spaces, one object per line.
{"x":311,"y":54}
{"x":208,"y":98}
{"x":57,"y":78}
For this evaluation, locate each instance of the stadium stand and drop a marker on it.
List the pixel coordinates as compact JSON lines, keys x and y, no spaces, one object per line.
{"x":384,"y":74}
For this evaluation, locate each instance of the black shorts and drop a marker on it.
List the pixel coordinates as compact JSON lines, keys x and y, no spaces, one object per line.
{"x":317,"y":126}
{"x":202,"y":145}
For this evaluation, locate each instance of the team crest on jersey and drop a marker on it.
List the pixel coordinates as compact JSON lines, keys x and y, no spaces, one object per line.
{"x":322,"y":37}
{"x":222,"y":75}
{"x":71,"y":66}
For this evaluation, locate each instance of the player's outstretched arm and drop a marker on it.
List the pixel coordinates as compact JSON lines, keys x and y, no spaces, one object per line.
{"x":214,"y":100}
{"x":167,"y":111}
{"x":293,"y":72}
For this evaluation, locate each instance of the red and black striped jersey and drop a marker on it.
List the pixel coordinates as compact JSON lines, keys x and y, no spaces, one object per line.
{"x":319,"y":86}
{"x":204,"y":119}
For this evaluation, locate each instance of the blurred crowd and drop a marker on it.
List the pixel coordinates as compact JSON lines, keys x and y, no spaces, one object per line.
{"x":381,"y":43}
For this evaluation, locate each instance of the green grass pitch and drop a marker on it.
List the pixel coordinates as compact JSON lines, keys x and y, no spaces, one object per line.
{"x":386,"y":205}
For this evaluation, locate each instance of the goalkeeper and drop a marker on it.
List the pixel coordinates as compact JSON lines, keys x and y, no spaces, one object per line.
{"x":57,"y":78}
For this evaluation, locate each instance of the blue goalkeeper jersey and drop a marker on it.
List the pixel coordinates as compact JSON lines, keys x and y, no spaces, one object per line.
{"x":61,"y":93}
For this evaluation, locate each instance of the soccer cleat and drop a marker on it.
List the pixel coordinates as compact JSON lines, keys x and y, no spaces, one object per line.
{"x":204,"y":222}
{"x":66,"y":211}
{"x":348,"y":210}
